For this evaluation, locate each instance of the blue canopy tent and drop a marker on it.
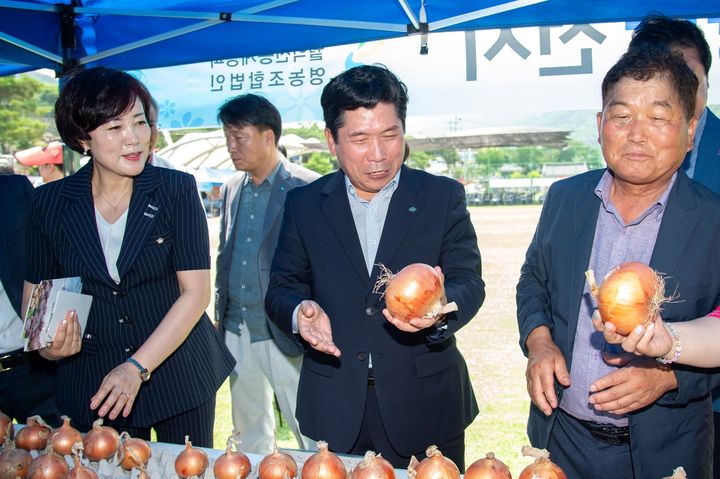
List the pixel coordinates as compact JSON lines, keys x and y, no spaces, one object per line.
{"x":129,"y":34}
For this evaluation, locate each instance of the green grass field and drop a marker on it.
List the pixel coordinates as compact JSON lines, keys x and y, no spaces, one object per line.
{"x":489,"y":343}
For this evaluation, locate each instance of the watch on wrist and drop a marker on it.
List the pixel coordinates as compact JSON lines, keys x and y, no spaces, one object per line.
{"x":144,"y":373}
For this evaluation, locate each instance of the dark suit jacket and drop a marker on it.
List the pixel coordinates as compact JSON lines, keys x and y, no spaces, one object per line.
{"x":288,"y":177}
{"x":15,"y":197}
{"x":677,"y":429}
{"x":166,"y":232}
{"x":424,"y":392}
{"x":707,"y":166}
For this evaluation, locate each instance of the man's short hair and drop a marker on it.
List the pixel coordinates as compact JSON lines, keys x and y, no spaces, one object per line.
{"x":251,"y":110}
{"x":362,"y":87}
{"x":646,"y":64}
{"x":658,"y":31}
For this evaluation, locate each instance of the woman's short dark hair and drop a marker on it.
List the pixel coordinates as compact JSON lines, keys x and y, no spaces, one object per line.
{"x":251,"y":110}
{"x":644,"y":64}
{"x":93,"y":97}
{"x":362,"y":87}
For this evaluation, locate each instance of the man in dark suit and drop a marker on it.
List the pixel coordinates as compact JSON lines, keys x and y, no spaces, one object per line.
{"x":370,"y":381}
{"x":640,"y":419}
{"x":268,"y":360}
{"x":702,"y":163}
{"x":27,"y":382}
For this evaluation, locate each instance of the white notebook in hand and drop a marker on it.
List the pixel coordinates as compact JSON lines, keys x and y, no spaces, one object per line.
{"x":49,"y":303}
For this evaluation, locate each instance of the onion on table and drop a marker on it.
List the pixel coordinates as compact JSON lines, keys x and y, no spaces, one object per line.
{"x":101,"y":442}
{"x":14,"y":462}
{"x":232,"y":464}
{"x":277,"y":465}
{"x":134,"y":452}
{"x":488,"y":467}
{"x":79,"y":471}
{"x":416,"y":291}
{"x":191,"y":461}
{"x":434,"y":466}
{"x":34,"y":436}
{"x":64,"y":437}
{"x":373,"y":466}
{"x":542,"y":467}
{"x":631,"y":294}
{"x":323,"y":464}
{"x":48,"y":465}
{"x":6,"y":427}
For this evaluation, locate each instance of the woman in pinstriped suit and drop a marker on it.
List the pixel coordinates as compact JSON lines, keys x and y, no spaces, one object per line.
{"x":137,"y":236}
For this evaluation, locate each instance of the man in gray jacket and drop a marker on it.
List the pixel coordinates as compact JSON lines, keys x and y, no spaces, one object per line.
{"x":268,"y":361}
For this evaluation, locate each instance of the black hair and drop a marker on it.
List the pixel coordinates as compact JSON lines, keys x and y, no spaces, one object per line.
{"x":659,"y":31}
{"x":251,"y":110}
{"x":646,"y":64}
{"x":93,"y":97}
{"x":362,"y":87}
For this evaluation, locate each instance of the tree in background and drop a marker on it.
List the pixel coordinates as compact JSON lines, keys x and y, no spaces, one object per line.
{"x":26,"y":113}
{"x":307,"y":131}
{"x":322,"y":163}
{"x":419,"y":159}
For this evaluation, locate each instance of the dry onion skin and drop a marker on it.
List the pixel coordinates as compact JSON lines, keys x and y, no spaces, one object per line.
{"x":101,"y":442}
{"x":34,"y":436}
{"x":48,"y":465}
{"x":134,"y":451}
{"x":64,"y":437}
{"x":232,"y":464}
{"x":14,"y":462}
{"x":488,"y":467}
{"x":416,"y":291}
{"x":323,"y":465}
{"x":6,"y":427}
{"x":542,"y":468}
{"x":191,"y":461}
{"x":631,"y":294}
{"x":434,"y":466}
{"x":80,"y":471}
{"x":277,"y":465}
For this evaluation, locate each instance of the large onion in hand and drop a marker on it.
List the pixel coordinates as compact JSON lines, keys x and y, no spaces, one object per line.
{"x":373,"y":466}
{"x":631,"y":294}
{"x":64,"y":437}
{"x":488,"y":467}
{"x":101,"y":442}
{"x":434,"y":466}
{"x":416,"y":291}
{"x":191,"y":461}
{"x":34,"y":436}
{"x":277,"y":465}
{"x":542,"y":468}
{"x":323,"y":464}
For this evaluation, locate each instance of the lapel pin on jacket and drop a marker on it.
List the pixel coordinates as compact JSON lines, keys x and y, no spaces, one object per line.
{"x":152,"y":207}
{"x":412,"y":209}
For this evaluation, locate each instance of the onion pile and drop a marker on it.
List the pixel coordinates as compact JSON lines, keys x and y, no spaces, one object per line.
{"x":34,"y":436}
{"x":48,"y":465}
{"x":64,"y":437}
{"x":134,"y":452}
{"x":434,"y":466}
{"x":6,"y":427}
{"x":190,"y":462}
{"x":631,"y":294}
{"x":323,"y":464}
{"x":14,"y":462}
{"x":416,"y":291}
{"x":232,"y":464}
{"x":277,"y":465}
{"x":373,"y":467}
{"x":488,"y":468}
{"x":101,"y":442}
{"x":542,"y":468}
